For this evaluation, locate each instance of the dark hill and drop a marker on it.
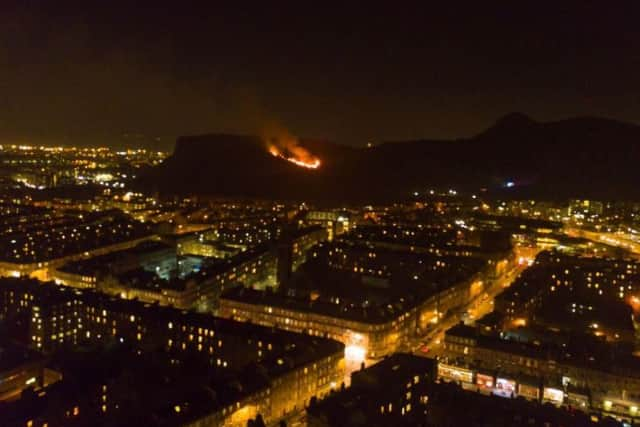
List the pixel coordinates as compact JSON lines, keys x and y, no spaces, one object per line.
{"x":581,"y":157}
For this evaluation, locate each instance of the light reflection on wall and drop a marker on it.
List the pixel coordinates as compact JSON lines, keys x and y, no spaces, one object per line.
{"x":355,"y":353}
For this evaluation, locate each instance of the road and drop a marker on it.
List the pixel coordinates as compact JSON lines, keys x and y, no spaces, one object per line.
{"x":430,"y":345}
{"x":476,"y":308}
{"x":622,"y":240}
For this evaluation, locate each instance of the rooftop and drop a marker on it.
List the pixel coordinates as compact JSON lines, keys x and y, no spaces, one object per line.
{"x":583,"y":351}
{"x":445,"y":404}
{"x":105,"y":262}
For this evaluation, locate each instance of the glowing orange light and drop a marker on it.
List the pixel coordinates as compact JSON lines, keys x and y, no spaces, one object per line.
{"x":355,"y":353}
{"x":313,"y":163}
{"x":520,"y":322}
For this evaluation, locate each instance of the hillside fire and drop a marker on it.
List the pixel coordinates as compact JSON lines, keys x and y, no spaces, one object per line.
{"x":296,"y":155}
{"x":281,"y":143}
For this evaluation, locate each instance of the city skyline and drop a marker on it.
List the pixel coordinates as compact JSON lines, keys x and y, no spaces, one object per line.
{"x":316,"y":215}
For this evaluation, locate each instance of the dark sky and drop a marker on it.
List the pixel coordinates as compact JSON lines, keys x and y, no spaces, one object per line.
{"x":95,"y":71}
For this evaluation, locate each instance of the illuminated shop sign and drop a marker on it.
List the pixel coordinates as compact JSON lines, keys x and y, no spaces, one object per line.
{"x":528,"y":391}
{"x":454,"y":373}
{"x":485,"y":381}
{"x":505,"y":387}
{"x":553,"y":394}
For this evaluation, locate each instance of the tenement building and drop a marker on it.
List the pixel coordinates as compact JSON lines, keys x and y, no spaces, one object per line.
{"x":373,"y":315}
{"x":291,"y":367}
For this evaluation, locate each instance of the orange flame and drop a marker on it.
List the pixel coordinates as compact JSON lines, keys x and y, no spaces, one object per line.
{"x":281,"y":143}
{"x":305,"y":161}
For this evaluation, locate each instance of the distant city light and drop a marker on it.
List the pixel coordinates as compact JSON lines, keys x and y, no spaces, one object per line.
{"x":104,"y":177}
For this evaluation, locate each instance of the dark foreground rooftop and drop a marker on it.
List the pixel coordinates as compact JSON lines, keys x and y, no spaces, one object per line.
{"x":411,"y":398}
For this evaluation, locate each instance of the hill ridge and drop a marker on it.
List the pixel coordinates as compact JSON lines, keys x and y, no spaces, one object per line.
{"x":575,"y":157}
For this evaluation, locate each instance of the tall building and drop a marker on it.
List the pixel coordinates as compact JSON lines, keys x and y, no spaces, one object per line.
{"x":585,"y":208}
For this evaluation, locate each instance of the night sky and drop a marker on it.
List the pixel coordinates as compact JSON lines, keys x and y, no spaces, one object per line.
{"x":107,"y":72}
